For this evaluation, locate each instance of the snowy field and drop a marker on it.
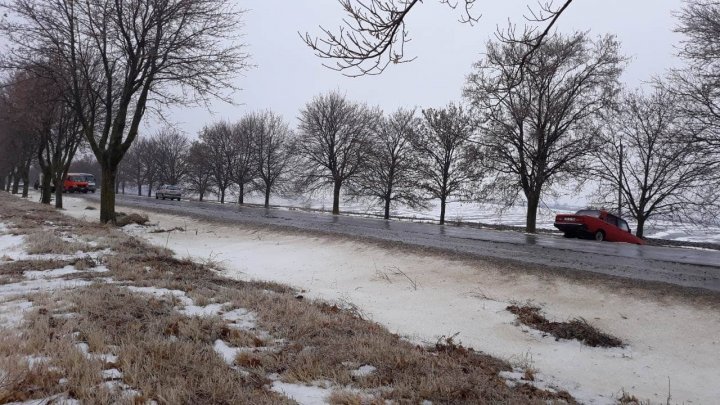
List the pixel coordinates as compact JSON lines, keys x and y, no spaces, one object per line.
{"x":425,"y":297}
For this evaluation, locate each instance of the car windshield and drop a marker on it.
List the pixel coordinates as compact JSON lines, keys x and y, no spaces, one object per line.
{"x":589,"y":213}
{"x":173,"y":188}
{"x":623,"y":225}
{"x":90,"y":179}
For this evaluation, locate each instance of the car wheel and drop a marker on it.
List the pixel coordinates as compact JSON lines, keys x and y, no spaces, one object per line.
{"x":162,"y":196}
{"x":156,"y":196}
{"x":599,"y":236}
{"x":568,"y":235}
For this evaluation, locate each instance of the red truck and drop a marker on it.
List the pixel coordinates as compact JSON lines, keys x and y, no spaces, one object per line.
{"x":596,"y":224}
{"x":73,"y":183}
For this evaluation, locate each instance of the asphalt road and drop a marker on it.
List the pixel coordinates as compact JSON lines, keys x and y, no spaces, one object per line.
{"x":680,"y":266}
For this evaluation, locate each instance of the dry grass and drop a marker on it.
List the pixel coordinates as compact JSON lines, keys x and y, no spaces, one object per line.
{"x":168,"y":357}
{"x":577,"y":329}
{"x":45,"y":242}
{"x":122,"y":219}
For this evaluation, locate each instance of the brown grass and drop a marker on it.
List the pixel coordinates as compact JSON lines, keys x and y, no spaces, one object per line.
{"x":45,"y":242}
{"x":575,"y":329}
{"x":122,"y":219}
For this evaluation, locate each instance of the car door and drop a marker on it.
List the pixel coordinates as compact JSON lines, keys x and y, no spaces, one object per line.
{"x":612,"y":232}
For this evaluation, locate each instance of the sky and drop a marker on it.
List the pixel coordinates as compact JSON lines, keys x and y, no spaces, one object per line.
{"x":286,"y":74}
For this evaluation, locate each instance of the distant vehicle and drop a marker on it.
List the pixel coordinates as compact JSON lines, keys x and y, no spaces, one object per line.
{"x":596,"y":224}
{"x":168,"y":191}
{"x":74,"y":182}
{"x":89,"y":178}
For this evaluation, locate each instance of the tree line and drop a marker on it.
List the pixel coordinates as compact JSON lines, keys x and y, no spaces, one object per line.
{"x":535,"y":116}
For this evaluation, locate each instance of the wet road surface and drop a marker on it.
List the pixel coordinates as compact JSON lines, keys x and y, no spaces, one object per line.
{"x":680,"y":266}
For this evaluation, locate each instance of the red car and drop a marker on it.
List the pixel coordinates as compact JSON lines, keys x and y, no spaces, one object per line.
{"x":596,"y":224}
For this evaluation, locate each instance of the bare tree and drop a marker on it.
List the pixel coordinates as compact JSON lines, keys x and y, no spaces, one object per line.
{"x":60,"y":137}
{"x":18,"y":110}
{"x":147,"y":151}
{"x":219,"y":142}
{"x":333,"y":140}
{"x":650,"y":159}
{"x":447,"y":158}
{"x":242,"y":159}
{"x":200,"y":169}
{"x":374,"y":34}
{"x":125,"y":57}
{"x":698,"y":85}
{"x":273,"y":146}
{"x":536,"y":132}
{"x":391,"y":173}
{"x":134,"y":166}
{"x":170,"y":155}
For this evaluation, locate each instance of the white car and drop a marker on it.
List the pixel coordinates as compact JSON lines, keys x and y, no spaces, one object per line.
{"x":168,"y":191}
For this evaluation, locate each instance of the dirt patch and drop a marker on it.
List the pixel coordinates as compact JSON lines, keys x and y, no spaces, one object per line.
{"x":575,"y":329}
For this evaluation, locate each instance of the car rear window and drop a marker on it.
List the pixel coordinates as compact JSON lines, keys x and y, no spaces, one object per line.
{"x":589,"y":213}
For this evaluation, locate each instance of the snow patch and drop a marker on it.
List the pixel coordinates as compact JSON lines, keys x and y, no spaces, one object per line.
{"x":163,"y":292}
{"x":208,"y":310}
{"x":35,"y":275}
{"x":39,"y":285}
{"x":13,"y":312}
{"x":302,"y":394}
{"x":112,"y":374}
{"x":240,"y":319}
{"x":225,"y":351}
{"x":363,"y":371}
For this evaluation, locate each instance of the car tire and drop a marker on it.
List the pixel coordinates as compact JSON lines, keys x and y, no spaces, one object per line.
{"x":599,"y":236}
{"x":156,"y":196}
{"x":568,"y":235}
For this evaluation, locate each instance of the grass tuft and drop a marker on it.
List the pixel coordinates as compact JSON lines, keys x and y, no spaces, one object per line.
{"x":576,"y":329}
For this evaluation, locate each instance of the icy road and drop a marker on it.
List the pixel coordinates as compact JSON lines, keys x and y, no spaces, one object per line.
{"x":680,"y":266}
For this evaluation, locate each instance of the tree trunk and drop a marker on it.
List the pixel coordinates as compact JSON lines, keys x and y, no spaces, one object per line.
{"x":532,"y":207}
{"x":26,"y":181}
{"x":241,"y":197}
{"x":336,"y":197}
{"x":139,"y":189}
{"x":201,"y":196}
{"x":107,"y":195}
{"x":45,"y":193}
{"x":59,"y":192}
{"x":267,"y":196}
{"x":149,"y":189}
{"x":640,"y":231}
{"x":123,"y":186}
{"x":387,"y":207}
{"x":2,"y":182}
{"x":443,"y":201}
{"x":222,"y":196}
{"x":16,"y":183}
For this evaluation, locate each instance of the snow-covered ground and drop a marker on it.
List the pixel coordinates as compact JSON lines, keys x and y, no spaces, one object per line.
{"x":671,"y":342}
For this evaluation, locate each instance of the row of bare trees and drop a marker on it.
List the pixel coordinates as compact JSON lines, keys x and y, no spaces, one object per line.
{"x":544,"y":110}
{"x":39,"y":126}
{"x":116,"y":60}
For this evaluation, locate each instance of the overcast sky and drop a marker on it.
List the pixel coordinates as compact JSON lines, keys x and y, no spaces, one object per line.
{"x":287,"y":74}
